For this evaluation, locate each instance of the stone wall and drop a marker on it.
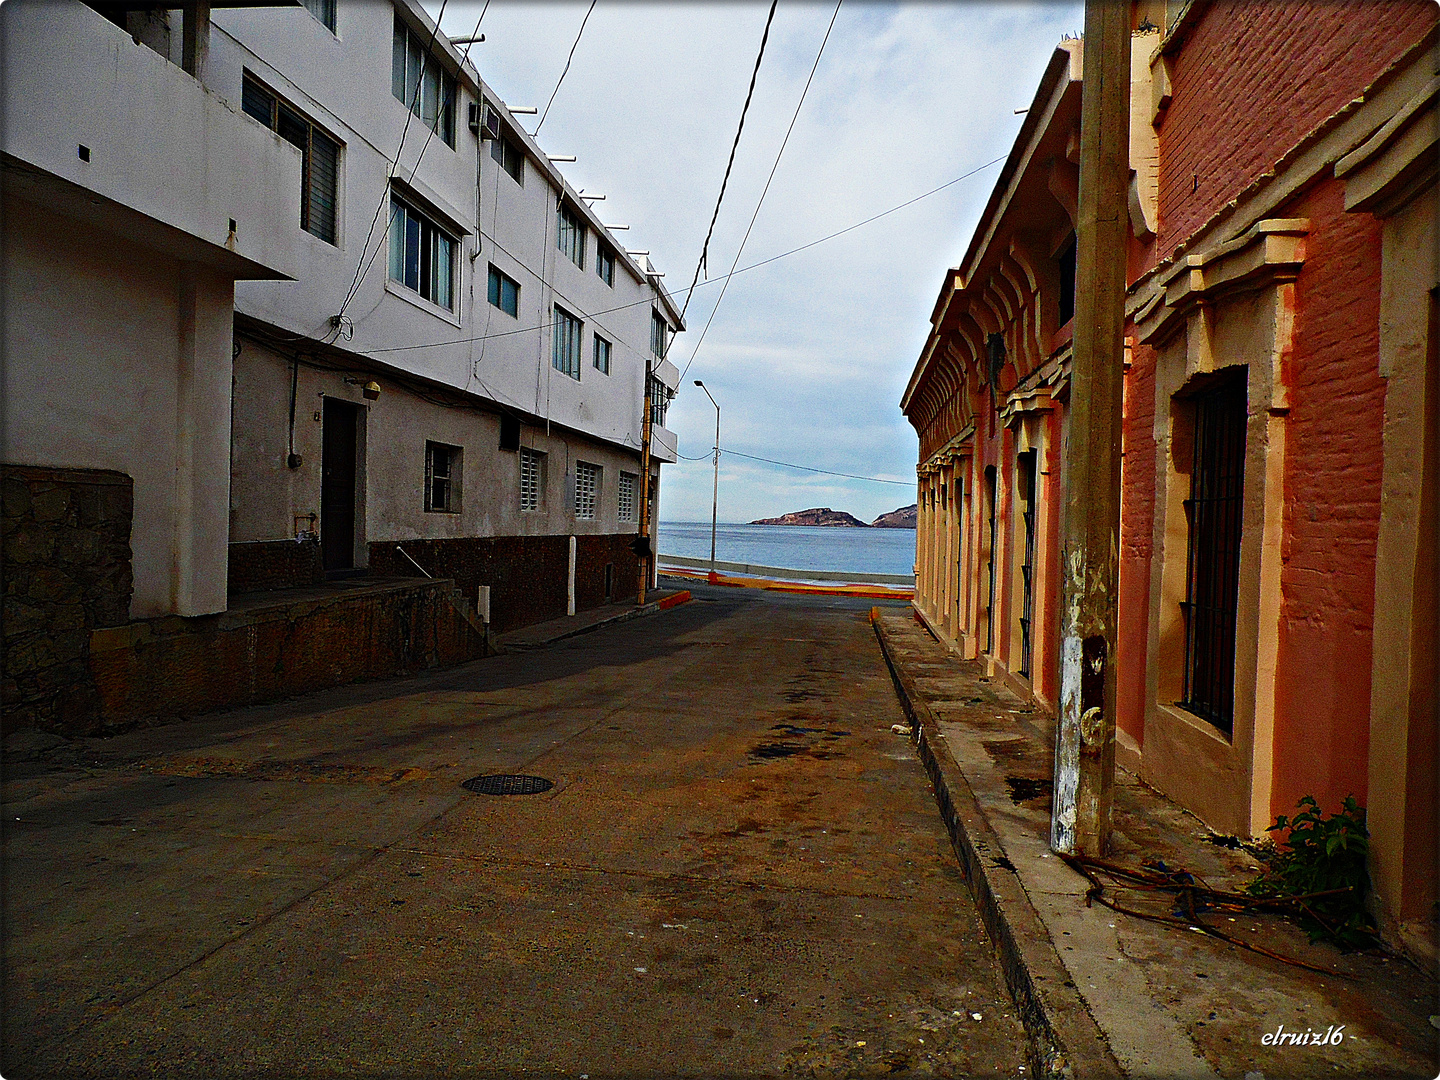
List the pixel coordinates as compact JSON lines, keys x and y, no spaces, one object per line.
{"x":527,"y":575}
{"x":274,"y":564}
{"x":67,"y":571}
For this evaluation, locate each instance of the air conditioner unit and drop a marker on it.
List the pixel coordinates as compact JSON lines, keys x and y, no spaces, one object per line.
{"x":484,"y":121}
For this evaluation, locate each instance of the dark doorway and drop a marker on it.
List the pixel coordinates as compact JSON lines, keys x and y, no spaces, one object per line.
{"x":337,"y":485}
{"x":990,"y":569}
{"x":1025,"y":482}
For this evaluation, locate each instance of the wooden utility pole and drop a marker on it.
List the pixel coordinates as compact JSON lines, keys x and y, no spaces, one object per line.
{"x":643,"y":549}
{"x":1085,"y":731}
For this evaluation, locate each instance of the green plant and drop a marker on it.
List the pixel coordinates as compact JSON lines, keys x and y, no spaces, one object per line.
{"x":1321,"y":865}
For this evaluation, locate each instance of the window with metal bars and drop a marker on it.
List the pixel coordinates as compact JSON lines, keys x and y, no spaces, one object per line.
{"x":319,"y":155}
{"x":626,"y":500}
{"x":990,"y":558}
{"x":1217,"y":487}
{"x":565,"y":343}
{"x":587,"y":489}
{"x":530,"y":479}
{"x":659,"y":402}
{"x":1025,"y":492}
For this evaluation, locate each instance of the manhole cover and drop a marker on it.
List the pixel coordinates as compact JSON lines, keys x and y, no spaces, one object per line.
{"x":508,"y":784}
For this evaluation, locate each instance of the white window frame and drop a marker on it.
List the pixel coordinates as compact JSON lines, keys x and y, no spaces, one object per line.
{"x":625,"y":498}
{"x":434,"y":253}
{"x":421,"y":83}
{"x":532,"y":480}
{"x":454,"y":457}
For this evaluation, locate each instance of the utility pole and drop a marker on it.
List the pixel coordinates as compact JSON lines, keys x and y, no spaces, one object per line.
{"x":1085,"y":731}
{"x":715,"y":495}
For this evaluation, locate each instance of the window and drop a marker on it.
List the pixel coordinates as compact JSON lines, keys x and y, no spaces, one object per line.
{"x":605,"y":263}
{"x":659,"y":329}
{"x":990,"y":508}
{"x":1067,"y":281}
{"x":503,"y":150}
{"x":324,"y":10}
{"x":602,"y":354}
{"x":659,"y":402}
{"x":1025,"y":481}
{"x":530,"y":482}
{"x":422,"y":257}
{"x":626,"y":501}
{"x":565,"y":342}
{"x":319,"y":161}
{"x":587,"y":488}
{"x":442,"y":478}
{"x":509,"y":433}
{"x":504,"y":293}
{"x":570,"y":235}
{"x":417,"y":81}
{"x":1217,"y":484}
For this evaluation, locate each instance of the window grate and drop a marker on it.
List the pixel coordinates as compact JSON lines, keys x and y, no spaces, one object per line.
{"x":587,"y":487}
{"x":529,"y":479}
{"x":1217,"y":484}
{"x":626,"y":499}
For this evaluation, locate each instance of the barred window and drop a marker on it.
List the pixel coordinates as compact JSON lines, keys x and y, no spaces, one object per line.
{"x":659,"y":402}
{"x":626,"y":502}
{"x":530,"y":479}
{"x":565,"y":345}
{"x":587,"y":488}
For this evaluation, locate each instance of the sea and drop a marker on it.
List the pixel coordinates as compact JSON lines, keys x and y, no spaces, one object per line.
{"x":794,"y":547}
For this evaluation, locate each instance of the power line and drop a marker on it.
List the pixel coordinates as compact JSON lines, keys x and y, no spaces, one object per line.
{"x":761,"y":201}
{"x":805,"y":468}
{"x":704,"y":249}
{"x":701,"y":285}
{"x":563,"y":73}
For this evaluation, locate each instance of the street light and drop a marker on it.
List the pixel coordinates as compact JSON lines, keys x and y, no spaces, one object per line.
{"x":715,"y":500}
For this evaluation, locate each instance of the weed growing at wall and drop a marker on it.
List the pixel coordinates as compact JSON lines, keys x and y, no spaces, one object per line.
{"x":1322,"y":859}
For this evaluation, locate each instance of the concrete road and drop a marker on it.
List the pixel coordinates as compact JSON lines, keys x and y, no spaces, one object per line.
{"x":739,"y":871}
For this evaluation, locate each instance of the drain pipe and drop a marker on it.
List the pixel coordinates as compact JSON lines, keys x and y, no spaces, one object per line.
{"x":417,"y":566}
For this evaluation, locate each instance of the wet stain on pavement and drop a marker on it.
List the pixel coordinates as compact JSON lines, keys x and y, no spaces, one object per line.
{"x":1025,"y":788}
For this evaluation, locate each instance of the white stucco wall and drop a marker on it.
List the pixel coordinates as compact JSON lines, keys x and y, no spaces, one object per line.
{"x":128,"y":371}
{"x":341,"y":82}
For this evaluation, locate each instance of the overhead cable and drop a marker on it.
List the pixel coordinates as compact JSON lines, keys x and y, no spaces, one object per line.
{"x":761,"y":201}
{"x":808,"y":468}
{"x":701,"y":285}
{"x":563,"y":73}
{"x":705,"y":248}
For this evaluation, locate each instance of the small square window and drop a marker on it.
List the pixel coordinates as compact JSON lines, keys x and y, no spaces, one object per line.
{"x":587,"y":489}
{"x":504,"y":292}
{"x":602,"y":355}
{"x":442,"y":478}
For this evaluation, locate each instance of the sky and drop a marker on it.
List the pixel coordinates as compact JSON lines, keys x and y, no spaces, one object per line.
{"x":809,"y":355}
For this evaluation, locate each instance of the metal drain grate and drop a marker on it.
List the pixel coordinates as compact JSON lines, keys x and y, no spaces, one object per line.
{"x":508,"y":784}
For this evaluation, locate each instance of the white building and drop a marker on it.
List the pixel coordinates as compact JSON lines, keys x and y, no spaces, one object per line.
{"x":440,"y":257}
{"x":134,"y":198}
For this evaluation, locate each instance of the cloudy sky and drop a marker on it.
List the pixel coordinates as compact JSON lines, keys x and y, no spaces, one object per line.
{"x":808,"y":355}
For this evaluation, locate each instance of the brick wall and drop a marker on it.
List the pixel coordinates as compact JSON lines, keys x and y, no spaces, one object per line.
{"x":1334,"y":461}
{"x":66,"y":572}
{"x":1137,"y":540}
{"x":527,"y":575}
{"x":274,"y":564}
{"x":1252,"y":79}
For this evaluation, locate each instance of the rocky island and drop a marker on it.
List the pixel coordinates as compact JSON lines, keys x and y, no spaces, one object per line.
{"x":903,"y":518}
{"x":821,"y":515}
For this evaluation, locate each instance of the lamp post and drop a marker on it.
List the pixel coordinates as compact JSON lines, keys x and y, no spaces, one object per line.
{"x":715,"y":499}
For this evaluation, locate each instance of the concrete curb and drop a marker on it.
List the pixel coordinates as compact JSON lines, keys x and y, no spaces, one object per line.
{"x":1066,"y":1040}
{"x":663,"y":604}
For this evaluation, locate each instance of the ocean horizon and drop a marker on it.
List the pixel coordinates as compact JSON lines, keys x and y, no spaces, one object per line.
{"x":794,"y":547}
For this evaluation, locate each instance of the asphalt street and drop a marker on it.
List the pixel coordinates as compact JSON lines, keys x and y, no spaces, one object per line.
{"x":738,"y":871}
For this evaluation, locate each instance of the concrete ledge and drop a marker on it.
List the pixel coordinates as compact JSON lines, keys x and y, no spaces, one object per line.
{"x":1066,"y":1039}
{"x":546,"y":633}
{"x":785,"y":573}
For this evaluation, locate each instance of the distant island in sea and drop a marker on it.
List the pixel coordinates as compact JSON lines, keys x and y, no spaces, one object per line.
{"x":903,"y":518}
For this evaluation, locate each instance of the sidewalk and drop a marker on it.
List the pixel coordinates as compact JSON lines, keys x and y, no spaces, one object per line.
{"x":582,"y":622}
{"x":1104,"y":993}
